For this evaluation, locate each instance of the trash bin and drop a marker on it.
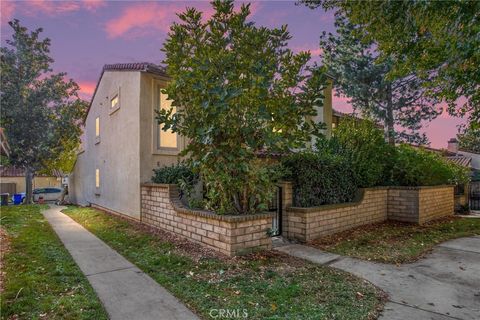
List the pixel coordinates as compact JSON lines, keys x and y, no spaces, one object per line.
{"x":4,"y":199}
{"x":17,"y":198}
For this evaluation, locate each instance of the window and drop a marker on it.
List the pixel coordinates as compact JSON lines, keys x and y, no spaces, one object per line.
{"x":166,"y":139}
{"x":97,"y":127}
{"x":114,"y":102}
{"x":97,"y":178}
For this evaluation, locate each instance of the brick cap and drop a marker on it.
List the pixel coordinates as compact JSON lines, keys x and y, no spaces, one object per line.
{"x":180,"y":207}
{"x":357,"y":200}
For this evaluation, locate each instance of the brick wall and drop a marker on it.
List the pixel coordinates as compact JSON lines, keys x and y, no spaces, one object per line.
{"x":403,"y":204}
{"x":231,"y":235}
{"x":420,"y":204}
{"x":435,"y":202}
{"x":407,"y":204}
{"x":305,"y":224}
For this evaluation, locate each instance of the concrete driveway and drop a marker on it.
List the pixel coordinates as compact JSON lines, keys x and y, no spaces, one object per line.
{"x":443,"y":285}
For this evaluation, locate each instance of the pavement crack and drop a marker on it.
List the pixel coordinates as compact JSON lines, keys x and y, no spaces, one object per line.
{"x":430,"y":311}
{"x":102,"y":272}
{"x":455,"y":249}
{"x":333,"y":261}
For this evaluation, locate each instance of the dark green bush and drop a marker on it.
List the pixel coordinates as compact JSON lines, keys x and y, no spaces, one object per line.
{"x":175,"y":174}
{"x":419,"y":167}
{"x":364,"y":147}
{"x":319,"y":179}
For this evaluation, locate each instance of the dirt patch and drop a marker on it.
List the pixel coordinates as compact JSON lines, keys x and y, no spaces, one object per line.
{"x":392,"y":232}
{"x":4,"y":248}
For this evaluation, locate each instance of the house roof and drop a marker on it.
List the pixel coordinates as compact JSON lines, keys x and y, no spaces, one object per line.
{"x":4,"y":146}
{"x":135,"y":66}
{"x":460,"y":160}
{"x":20,"y":172}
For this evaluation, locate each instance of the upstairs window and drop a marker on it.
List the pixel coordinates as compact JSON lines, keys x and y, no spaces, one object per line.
{"x":166,"y":139}
{"x":97,"y":178}
{"x":114,"y":102}
{"x":97,"y":127}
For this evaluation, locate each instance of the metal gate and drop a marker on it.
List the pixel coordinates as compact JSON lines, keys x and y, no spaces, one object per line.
{"x":474,"y":198}
{"x":275,"y":206}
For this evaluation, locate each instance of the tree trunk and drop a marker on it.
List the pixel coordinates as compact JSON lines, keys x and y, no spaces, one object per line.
{"x":28,"y":185}
{"x":389,"y":123}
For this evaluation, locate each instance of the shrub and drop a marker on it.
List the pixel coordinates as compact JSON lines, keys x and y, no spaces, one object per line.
{"x":419,"y":167}
{"x":319,"y":179}
{"x":181,"y":175}
{"x":174,"y":174}
{"x":364,"y":147}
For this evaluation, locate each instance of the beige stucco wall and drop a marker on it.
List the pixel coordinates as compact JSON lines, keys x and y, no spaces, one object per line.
{"x":150,"y":156}
{"x":38,"y":182}
{"x":117,"y":154}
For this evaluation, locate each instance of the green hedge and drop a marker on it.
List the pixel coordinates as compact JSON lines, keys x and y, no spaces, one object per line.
{"x":319,"y":179}
{"x":176,"y":174}
{"x":419,"y":167}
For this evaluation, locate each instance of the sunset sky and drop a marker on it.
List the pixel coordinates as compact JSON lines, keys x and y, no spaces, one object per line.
{"x":88,"y":34}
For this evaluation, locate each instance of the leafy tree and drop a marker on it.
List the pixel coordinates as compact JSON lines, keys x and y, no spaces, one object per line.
{"x":469,"y":139}
{"x":237,"y":90}
{"x":363,"y":146}
{"x":436,"y":40}
{"x":398,"y":103}
{"x":40,"y":109}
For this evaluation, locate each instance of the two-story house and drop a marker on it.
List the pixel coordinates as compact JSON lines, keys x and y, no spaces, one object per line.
{"x":123,"y":142}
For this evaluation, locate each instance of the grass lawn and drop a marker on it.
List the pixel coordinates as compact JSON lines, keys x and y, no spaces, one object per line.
{"x":393,"y":242}
{"x":266,"y":285}
{"x":41,"y":279}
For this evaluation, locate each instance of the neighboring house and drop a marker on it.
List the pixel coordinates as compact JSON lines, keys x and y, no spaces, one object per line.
{"x":4,"y":146}
{"x":122,"y":141}
{"x":472,"y":157}
{"x":469,"y":194}
{"x":12,"y":180}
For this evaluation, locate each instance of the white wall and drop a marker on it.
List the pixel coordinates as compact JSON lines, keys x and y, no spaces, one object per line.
{"x":116,"y":154}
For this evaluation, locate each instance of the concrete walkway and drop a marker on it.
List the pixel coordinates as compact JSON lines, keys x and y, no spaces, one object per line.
{"x":444,"y":285}
{"x":125,"y":291}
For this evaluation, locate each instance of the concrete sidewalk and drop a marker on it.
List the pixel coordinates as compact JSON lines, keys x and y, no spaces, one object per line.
{"x":444,"y":285}
{"x":124,"y":290}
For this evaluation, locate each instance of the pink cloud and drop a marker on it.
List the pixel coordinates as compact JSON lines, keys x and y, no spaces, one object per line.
{"x":143,"y":19}
{"x":315,"y":52}
{"x":147,"y":18}
{"x":93,"y":5}
{"x":86,"y":89}
{"x":7,"y":10}
{"x":54,"y":8}
{"x":33,"y":7}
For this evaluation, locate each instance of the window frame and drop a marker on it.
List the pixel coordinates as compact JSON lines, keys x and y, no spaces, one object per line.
{"x":97,"y":130}
{"x":97,"y":178}
{"x":157,"y":147}
{"x":112,"y":96}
